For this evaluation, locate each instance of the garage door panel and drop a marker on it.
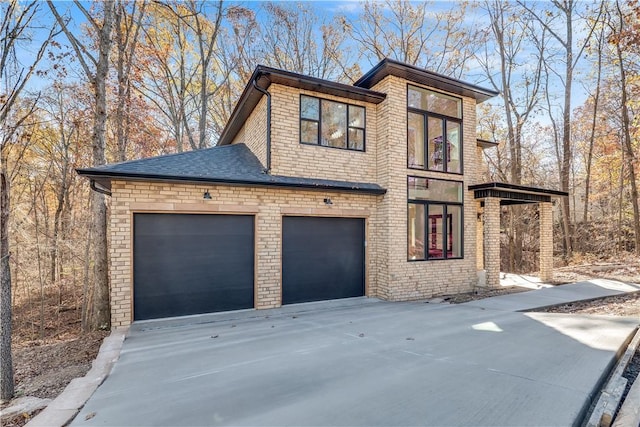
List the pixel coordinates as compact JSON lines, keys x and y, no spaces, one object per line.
{"x":189,"y":264}
{"x":323,"y":258}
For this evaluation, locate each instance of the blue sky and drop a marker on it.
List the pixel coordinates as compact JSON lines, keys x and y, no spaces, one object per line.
{"x":325,"y":9}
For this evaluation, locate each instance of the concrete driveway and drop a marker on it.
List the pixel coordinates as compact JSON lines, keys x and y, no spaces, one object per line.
{"x":360,"y":362}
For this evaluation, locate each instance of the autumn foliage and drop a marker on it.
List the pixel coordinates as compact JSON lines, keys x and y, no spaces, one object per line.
{"x":568,"y":74}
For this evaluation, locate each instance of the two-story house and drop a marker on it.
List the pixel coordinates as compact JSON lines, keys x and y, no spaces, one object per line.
{"x":316,"y":190}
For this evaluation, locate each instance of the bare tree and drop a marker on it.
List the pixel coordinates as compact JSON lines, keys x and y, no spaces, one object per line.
{"x":127,"y":28}
{"x":15,"y":25}
{"x":408,"y":32}
{"x":207,"y":35}
{"x":240,"y":52}
{"x":96,"y":68}
{"x":592,"y":135}
{"x":181,"y":67}
{"x":168,"y":71}
{"x":513,"y":38}
{"x":617,"y":26}
{"x":565,"y":11}
{"x":295,"y":38}
{"x":59,"y":105}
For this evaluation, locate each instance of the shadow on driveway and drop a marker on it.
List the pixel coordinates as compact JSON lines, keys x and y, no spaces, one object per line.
{"x":364,"y":363}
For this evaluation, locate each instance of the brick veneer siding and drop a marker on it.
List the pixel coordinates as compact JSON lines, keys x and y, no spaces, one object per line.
{"x":492,"y":241}
{"x":384,"y":162}
{"x":268,"y":205}
{"x":254,"y":132}
{"x":546,"y":241}
{"x":479,"y":238}
{"x":389,"y":275}
{"x":290,"y":158}
{"x":404,"y":280}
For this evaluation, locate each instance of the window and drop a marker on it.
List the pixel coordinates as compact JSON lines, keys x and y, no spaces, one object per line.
{"x":434,"y":137}
{"x":434,"y":215}
{"x":331,"y":123}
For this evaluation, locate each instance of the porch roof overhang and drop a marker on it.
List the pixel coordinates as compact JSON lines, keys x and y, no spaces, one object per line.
{"x":483,"y":143}
{"x":512,"y":194}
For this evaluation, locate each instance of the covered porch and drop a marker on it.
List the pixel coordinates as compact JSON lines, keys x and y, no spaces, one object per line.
{"x":491,"y":197}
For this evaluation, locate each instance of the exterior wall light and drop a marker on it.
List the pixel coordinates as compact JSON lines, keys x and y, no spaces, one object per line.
{"x":328,"y":201}
{"x":206,"y":195}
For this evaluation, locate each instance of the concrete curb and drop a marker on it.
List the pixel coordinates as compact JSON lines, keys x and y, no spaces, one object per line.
{"x":74,"y":396}
{"x":609,"y":398}
{"x":629,"y":413}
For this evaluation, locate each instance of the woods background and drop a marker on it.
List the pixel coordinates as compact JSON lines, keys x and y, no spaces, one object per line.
{"x":84,"y":83}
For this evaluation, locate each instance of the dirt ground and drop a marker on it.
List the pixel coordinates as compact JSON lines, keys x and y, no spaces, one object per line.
{"x":49,"y":349}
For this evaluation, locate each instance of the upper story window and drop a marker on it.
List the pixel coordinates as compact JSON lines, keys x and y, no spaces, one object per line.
{"x":331,"y":123}
{"x":434,"y":131}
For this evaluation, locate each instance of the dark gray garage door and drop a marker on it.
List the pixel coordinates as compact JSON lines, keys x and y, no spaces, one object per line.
{"x":322,"y":258}
{"x":190,"y":264}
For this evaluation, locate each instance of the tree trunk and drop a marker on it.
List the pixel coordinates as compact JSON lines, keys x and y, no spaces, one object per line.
{"x":121,"y":99}
{"x":596,"y":101}
{"x":6,"y":370}
{"x":566,"y":137}
{"x":101,"y":306}
{"x":87,"y":302}
{"x":57,"y":218}
{"x":34,"y":194}
{"x":619,"y":246}
{"x":101,"y":313}
{"x":627,"y":144}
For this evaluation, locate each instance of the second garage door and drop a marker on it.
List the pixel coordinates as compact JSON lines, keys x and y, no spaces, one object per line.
{"x":322,"y":258}
{"x":189,"y":264}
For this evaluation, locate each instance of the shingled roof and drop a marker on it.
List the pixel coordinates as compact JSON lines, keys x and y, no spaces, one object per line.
{"x":227,"y":165}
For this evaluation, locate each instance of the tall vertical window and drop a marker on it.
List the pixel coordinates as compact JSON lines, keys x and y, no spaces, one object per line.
{"x":331,"y":123}
{"x":434,"y":138}
{"x":434,"y":215}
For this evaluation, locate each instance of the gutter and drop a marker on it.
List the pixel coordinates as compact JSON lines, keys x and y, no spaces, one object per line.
{"x":97,"y":189}
{"x":268,"y":95}
{"x":92,"y":175}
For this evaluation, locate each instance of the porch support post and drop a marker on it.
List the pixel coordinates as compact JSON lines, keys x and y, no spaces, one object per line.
{"x":492,"y":241}
{"x":546,"y":241}
{"x":480,"y":239}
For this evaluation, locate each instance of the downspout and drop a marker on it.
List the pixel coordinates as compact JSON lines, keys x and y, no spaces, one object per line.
{"x":97,"y":189}
{"x":268,"y":95}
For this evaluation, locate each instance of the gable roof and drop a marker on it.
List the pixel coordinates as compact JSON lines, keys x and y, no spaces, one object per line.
{"x":415,"y":74}
{"x":265,"y":76}
{"x":228,"y":165}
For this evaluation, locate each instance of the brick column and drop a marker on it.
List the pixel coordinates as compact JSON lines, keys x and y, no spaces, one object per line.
{"x":479,"y":240}
{"x":546,"y":241}
{"x":492,"y":241}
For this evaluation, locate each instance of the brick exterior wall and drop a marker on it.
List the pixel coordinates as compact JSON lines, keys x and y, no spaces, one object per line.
{"x":479,"y":238}
{"x":384,"y":162}
{"x":419,"y":279}
{"x":268,"y":205}
{"x":254,"y":132}
{"x":492,"y":241}
{"x":546,"y":241}
{"x":388,"y":273}
{"x":290,"y":158}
